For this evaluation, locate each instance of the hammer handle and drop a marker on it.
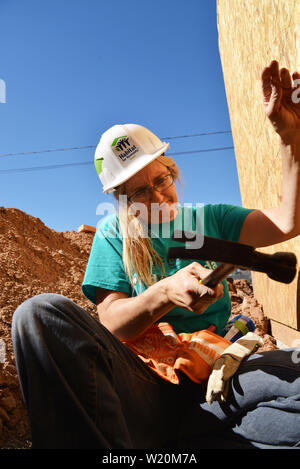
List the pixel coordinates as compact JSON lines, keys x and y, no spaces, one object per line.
{"x":217,"y":275}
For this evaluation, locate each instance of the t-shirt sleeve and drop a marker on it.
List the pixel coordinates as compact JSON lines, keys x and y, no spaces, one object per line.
{"x":230,"y":219}
{"x":105,"y":267}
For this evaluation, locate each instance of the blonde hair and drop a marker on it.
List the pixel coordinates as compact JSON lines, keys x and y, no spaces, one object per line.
{"x":139,"y":256}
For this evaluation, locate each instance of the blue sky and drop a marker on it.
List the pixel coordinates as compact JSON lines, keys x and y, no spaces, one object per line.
{"x":73,"y":69}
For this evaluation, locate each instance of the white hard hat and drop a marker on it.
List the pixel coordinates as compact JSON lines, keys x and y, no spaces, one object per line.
{"x":123,"y":150}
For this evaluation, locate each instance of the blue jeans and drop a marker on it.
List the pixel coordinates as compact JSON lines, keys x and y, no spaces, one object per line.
{"x":83,"y":388}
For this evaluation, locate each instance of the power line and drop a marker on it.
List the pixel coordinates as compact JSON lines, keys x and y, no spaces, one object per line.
{"x":94,"y":146}
{"x":199,"y":151}
{"x":198,"y":135}
{"x":40,"y":168}
{"x":55,"y":166}
{"x":48,"y":151}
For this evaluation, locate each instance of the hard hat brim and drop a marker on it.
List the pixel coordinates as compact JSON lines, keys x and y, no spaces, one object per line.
{"x":135,"y":167}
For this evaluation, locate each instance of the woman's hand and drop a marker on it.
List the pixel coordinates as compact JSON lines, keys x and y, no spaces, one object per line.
{"x":183,"y":289}
{"x":280,"y":96}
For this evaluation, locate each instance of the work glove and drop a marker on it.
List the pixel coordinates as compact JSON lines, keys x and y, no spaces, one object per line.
{"x":227,"y":364}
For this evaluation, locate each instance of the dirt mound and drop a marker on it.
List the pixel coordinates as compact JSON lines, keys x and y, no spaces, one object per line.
{"x":36,"y":259}
{"x":33,"y":259}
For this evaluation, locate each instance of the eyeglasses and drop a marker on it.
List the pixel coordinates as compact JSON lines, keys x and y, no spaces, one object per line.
{"x":146,"y":193}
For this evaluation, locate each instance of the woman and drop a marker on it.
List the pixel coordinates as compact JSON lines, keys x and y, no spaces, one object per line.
{"x":83,"y":387}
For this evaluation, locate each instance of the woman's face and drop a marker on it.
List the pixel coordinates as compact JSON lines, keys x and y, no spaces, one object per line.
{"x":154,"y":207}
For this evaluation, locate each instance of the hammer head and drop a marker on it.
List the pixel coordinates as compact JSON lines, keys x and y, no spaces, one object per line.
{"x":279,"y":266}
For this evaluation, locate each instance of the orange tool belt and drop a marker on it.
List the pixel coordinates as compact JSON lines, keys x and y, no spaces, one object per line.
{"x":167,"y":353}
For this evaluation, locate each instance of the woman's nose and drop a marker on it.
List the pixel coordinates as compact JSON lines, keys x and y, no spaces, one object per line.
{"x":157,"y":196}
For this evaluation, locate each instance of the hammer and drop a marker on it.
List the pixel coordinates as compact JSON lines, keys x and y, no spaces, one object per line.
{"x":280,"y":266}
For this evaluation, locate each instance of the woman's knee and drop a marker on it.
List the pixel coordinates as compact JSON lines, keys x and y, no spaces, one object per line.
{"x":34,"y":308}
{"x":52,"y":311}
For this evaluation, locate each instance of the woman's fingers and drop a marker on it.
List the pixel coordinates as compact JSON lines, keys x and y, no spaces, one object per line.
{"x":281,"y":99}
{"x":266,"y":82}
{"x":286,"y":79}
{"x":207,"y":296}
{"x":272,"y":88}
{"x":274,"y":66}
{"x":198,"y":270}
{"x":200,"y":273}
{"x":219,"y":290}
{"x":210,"y":292}
{"x":184,"y":290}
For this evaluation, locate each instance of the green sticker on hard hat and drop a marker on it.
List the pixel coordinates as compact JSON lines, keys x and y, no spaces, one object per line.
{"x":124,"y":147}
{"x":98,"y":165}
{"x":120,"y":143}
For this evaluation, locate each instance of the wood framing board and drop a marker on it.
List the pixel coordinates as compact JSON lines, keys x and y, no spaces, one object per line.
{"x":251,"y":35}
{"x":286,"y":335}
{"x":86,"y":228}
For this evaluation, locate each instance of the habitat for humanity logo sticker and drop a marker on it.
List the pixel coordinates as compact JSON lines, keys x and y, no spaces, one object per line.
{"x":124,"y":148}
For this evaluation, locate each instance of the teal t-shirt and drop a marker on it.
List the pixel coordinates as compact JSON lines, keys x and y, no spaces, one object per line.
{"x":105,"y":266}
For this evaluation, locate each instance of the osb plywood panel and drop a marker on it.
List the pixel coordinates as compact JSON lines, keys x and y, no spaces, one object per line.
{"x":252,"y":33}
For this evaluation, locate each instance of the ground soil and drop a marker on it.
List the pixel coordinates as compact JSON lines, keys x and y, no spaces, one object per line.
{"x":36,"y":259}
